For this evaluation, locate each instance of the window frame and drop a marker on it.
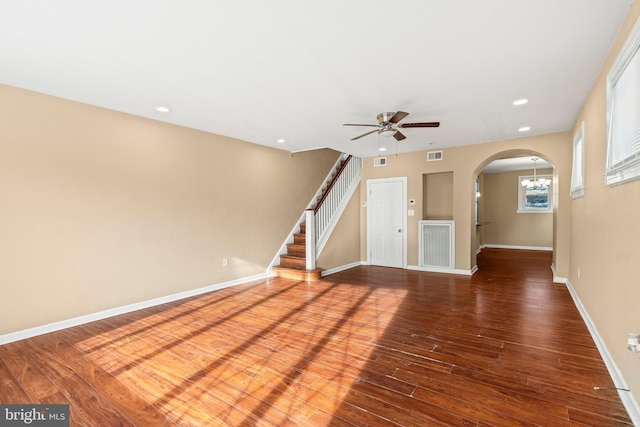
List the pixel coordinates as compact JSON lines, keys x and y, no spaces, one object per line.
{"x":522,"y":208}
{"x":478,"y":199}
{"x":627,"y":169}
{"x":577,"y":168}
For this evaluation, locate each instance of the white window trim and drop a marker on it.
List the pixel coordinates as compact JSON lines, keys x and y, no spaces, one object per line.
{"x":577,"y":189}
{"x":629,"y":169}
{"x":521,"y":201}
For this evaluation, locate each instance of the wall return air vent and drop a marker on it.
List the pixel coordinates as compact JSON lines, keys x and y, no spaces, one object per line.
{"x":379,"y":161}
{"x":432,"y":156}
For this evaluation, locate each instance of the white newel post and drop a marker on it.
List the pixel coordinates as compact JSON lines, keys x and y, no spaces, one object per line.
{"x":310,"y":239}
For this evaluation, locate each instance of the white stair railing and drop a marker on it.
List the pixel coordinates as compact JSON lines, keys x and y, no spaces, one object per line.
{"x":321,"y":219}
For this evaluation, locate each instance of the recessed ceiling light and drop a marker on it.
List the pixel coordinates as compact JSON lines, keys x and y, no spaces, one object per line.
{"x":281,"y":140}
{"x":524,"y":129}
{"x":162,"y":109}
{"x":520,"y":101}
{"x":382,"y":149}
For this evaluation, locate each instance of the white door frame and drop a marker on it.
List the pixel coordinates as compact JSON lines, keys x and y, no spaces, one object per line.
{"x":403,"y":180}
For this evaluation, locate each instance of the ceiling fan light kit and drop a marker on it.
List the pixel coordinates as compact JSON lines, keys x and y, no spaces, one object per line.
{"x":387,"y":132}
{"x":388,"y":125}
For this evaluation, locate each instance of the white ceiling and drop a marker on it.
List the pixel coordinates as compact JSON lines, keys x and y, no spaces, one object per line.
{"x":261,"y":70}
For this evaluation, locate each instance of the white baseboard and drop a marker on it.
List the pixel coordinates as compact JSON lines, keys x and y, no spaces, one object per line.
{"x":557,"y":279}
{"x":80,"y":320}
{"x":443,"y":270}
{"x":630,"y":404}
{"x":527,"y":248}
{"x":341,"y":268}
{"x":409,"y":267}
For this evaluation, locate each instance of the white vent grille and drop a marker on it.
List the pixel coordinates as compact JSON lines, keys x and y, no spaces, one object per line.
{"x":379,"y":161}
{"x":436,"y":244}
{"x":432,"y":156}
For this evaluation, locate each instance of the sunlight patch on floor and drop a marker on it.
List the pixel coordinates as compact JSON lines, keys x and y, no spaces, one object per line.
{"x":258,"y":359}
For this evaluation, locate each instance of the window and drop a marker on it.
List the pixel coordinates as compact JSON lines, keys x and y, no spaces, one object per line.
{"x":577,"y":171}
{"x":478,"y":200}
{"x":535,"y":198}
{"x":623,"y":113}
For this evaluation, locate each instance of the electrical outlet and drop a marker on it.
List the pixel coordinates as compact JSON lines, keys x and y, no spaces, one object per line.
{"x":578,"y":272}
{"x":633,"y":342}
{"x":225,"y":262}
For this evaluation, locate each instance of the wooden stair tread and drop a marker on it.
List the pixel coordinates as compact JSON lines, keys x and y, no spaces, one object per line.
{"x":297,"y":274}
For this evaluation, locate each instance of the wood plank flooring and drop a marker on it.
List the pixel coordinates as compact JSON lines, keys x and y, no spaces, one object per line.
{"x":367,"y":346}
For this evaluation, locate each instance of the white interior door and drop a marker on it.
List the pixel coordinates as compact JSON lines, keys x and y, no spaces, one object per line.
{"x":386,"y":219}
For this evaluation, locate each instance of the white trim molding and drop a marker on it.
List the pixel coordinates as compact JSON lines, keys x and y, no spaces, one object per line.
{"x":410,"y":267}
{"x":577,"y":168}
{"x":444,"y":270}
{"x":342,"y":268}
{"x":80,"y":320}
{"x":527,"y":248}
{"x":630,"y":404}
{"x":557,"y":279}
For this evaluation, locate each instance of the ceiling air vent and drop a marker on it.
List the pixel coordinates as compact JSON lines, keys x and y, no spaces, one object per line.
{"x":432,"y":156}
{"x":379,"y":161}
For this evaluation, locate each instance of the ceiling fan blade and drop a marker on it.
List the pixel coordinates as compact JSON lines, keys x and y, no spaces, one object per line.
{"x":353,"y":124}
{"x":420,"y":125}
{"x":399,"y":136}
{"x":398,"y":116}
{"x":364,"y":134}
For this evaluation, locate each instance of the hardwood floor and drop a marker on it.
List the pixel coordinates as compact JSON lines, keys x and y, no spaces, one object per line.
{"x":367,"y":346}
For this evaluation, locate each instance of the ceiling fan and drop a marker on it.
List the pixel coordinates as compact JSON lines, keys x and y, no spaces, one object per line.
{"x":388,"y":125}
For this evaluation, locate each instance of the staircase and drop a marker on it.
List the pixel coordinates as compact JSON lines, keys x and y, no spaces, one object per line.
{"x":293,"y":264}
{"x":322,"y":214}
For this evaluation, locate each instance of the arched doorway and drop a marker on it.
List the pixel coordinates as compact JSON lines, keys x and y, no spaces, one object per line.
{"x":507,"y":213}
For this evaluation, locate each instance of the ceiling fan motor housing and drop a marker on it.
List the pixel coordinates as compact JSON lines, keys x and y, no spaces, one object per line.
{"x":383,"y":118}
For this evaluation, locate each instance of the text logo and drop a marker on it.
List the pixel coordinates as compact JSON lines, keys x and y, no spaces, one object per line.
{"x":34,"y":415}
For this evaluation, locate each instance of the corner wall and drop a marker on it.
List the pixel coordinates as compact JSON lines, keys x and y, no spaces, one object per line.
{"x":101,"y":209}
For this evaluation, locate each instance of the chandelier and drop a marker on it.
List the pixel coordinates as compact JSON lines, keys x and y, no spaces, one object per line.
{"x":535,"y":183}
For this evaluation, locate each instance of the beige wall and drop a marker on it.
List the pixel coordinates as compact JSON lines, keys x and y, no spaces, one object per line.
{"x":466,"y":162}
{"x":504,"y":225}
{"x":101,"y":209}
{"x":605,"y":234}
{"x":437,"y":196}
